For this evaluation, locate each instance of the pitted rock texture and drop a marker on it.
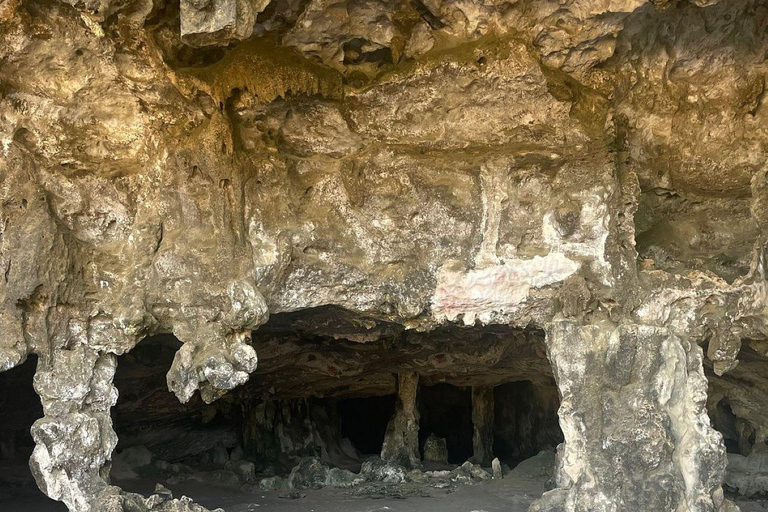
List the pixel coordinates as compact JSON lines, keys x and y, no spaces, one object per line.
{"x":592,"y":169}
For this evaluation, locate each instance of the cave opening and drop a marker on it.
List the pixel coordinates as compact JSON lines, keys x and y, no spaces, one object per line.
{"x":738,"y":435}
{"x":20,"y":407}
{"x":330,"y":387}
{"x":446,"y":412}
{"x":364,"y":421}
{"x":160,"y":438}
{"x":525,"y":420}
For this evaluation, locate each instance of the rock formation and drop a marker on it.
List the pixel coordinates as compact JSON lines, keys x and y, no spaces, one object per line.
{"x":338,"y":200}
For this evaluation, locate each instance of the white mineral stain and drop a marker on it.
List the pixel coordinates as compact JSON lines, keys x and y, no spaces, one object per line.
{"x":497,"y":288}
{"x":493,"y":289}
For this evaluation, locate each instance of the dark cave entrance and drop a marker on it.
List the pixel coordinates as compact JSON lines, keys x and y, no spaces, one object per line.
{"x":158,"y":437}
{"x":327,"y":387}
{"x":446,"y":411}
{"x":525,"y":420}
{"x":736,"y":402}
{"x":364,"y":421}
{"x":20,"y":407}
{"x":738,"y":435}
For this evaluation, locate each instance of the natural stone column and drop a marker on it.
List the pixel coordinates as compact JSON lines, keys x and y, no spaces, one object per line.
{"x":482,"y":421}
{"x":637,"y":434}
{"x":401,"y":442}
{"x":74,"y":440}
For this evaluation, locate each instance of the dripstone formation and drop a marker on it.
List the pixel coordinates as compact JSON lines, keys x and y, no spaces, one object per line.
{"x":445,"y":181}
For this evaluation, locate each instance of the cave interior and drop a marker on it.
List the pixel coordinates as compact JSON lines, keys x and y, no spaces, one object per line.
{"x":322,"y":389}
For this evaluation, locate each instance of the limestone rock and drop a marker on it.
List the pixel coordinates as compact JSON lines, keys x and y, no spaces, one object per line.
{"x":469,"y":473}
{"x":218,"y":22}
{"x":401,"y":440}
{"x":630,"y":357}
{"x":539,"y":466}
{"x":273,"y":483}
{"x":245,"y":470}
{"x":310,"y":473}
{"x":497,"y":469}
{"x":748,"y":475}
{"x":376,"y":470}
{"x":435,"y":449}
{"x":343,"y":478}
{"x":434,"y":187}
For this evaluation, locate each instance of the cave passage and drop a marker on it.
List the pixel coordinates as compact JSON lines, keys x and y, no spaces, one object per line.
{"x":325,"y":389}
{"x":322,"y":389}
{"x":20,"y":407}
{"x":446,"y":412}
{"x":364,"y":421}
{"x":525,"y":420}
{"x":738,"y":435}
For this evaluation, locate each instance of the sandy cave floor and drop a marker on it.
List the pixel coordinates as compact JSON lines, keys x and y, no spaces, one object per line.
{"x":18,"y":493}
{"x":506,"y":495}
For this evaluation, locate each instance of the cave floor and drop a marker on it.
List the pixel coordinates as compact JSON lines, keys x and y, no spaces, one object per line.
{"x":18,"y":493}
{"x":508,"y":495}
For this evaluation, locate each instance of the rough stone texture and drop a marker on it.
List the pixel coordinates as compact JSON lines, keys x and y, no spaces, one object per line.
{"x":482,"y":421}
{"x":210,"y":22}
{"x":310,"y":473}
{"x":435,"y":449}
{"x":748,"y":475}
{"x":638,"y":410}
{"x":401,"y":440}
{"x":595,"y":169}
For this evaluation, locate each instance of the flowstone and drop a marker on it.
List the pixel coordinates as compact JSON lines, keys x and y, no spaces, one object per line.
{"x":643,"y":383}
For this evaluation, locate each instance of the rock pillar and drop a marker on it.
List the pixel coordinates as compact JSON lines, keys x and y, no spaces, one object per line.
{"x":482,"y":421}
{"x":74,"y":440}
{"x":401,"y":441}
{"x":637,"y":434}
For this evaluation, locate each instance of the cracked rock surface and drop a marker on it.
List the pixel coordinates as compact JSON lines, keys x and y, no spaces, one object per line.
{"x":591,"y":170}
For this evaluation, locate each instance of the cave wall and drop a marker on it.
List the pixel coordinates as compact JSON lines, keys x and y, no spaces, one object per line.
{"x":419,"y":164}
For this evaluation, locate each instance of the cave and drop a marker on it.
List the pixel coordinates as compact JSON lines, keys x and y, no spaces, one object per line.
{"x":525,"y":420}
{"x":259,"y":433}
{"x":158,"y":434}
{"x":364,"y":421}
{"x":20,"y":407}
{"x":450,"y":255}
{"x":446,"y":411}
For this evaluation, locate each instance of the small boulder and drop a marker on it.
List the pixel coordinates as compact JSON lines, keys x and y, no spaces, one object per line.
{"x":538,"y":467}
{"x":219,"y":456}
{"x":245,"y":470}
{"x":748,"y":475}
{"x":469,"y":473}
{"x":310,"y":473}
{"x":376,"y":470}
{"x":173,"y":469}
{"x":273,"y":483}
{"x":343,"y":478}
{"x":497,"y":472}
{"x":435,"y":449}
{"x":417,"y":476}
